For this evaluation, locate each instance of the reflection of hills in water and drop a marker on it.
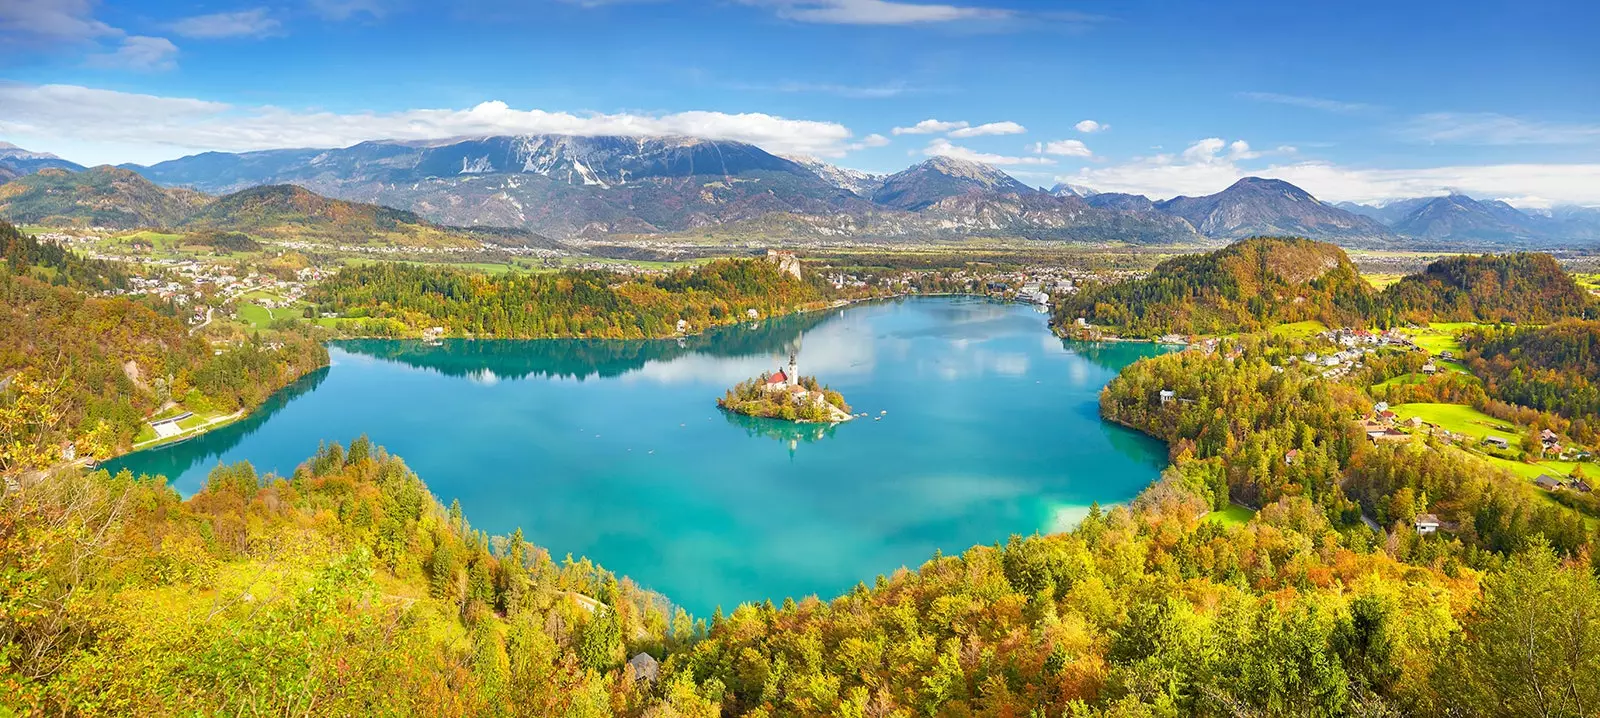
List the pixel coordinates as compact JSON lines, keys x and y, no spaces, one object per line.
{"x":784,"y":431}
{"x":173,"y":460}
{"x":584,"y":358}
{"x":1113,"y":355}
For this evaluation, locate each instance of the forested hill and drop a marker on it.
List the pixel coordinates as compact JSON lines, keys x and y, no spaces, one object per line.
{"x":121,"y":199}
{"x":1522,"y":287}
{"x":96,"y":366}
{"x":1257,"y":283}
{"x":102,"y":196}
{"x":590,"y":303}
{"x":1552,"y":368}
{"x":53,"y":264}
{"x":347,"y":589}
{"x":1245,"y":286}
{"x":291,"y":212}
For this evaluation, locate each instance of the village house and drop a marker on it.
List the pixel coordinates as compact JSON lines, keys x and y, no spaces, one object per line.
{"x":1497,"y":442}
{"x":1290,"y":456}
{"x":1427,"y":523}
{"x":1167,"y":395}
{"x":1547,"y":482}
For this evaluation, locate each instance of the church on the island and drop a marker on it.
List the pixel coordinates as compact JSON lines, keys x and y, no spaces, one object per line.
{"x":787,"y":379}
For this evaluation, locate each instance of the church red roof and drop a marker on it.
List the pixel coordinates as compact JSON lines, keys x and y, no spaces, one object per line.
{"x":778,"y":377}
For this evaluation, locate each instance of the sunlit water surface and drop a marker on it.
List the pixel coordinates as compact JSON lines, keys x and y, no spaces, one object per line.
{"x":616,"y":450}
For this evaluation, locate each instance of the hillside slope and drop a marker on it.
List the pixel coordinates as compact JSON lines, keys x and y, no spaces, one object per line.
{"x":1245,"y":286}
{"x":1522,"y":287}
{"x":101,"y":196}
{"x":1254,"y":206}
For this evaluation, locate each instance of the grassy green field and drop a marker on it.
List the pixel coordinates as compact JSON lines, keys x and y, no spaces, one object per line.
{"x":1300,"y":330}
{"x":1460,"y":419}
{"x":1379,"y":281}
{"x":1442,"y":336}
{"x":1234,"y":515}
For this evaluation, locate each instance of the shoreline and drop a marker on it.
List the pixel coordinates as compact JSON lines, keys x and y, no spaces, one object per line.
{"x":150,"y":445}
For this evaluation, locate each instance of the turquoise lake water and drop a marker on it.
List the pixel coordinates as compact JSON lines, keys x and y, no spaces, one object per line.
{"x":616,"y":451}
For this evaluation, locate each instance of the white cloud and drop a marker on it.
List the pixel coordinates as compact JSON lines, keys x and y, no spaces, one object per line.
{"x":53,"y":24}
{"x":1313,"y":103}
{"x":138,"y":52}
{"x":876,"y":12}
{"x":992,"y":128}
{"x":1063,"y":148}
{"x":928,"y":127}
{"x":1211,"y":165}
{"x":874,"y":140}
{"x":52,"y":20}
{"x":244,"y":23}
{"x":124,"y":126}
{"x":1489,"y":128}
{"x":943,"y":147}
{"x":346,"y":9}
{"x":1090,"y":126}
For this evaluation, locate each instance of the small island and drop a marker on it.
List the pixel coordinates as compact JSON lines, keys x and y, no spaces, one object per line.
{"x":788,"y":396}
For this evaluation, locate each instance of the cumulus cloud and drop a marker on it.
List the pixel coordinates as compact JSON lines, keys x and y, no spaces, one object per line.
{"x":873,"y":140}
{"x":943,"y":148}
{"x":244,"y":23}
{"x":928,"y":127}
{"x":1489,"y":128}
{"x":1312,"y":103}
{"x":1063,"y":148}
{"x":133,"y":124}
{"x":1090,"y":126}
{"x":992,"y":128}
{"x":138,"y":52}
{"x":1211,"y":165}
{"x":877,"y":12}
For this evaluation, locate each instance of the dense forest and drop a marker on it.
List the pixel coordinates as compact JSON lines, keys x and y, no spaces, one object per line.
{"x":1521,"y":287}
{"x":572,"y":303}
{"x":25,"y":255}
{"x":1277,"y":434}
{"x":1246,"y":286}
{"x":347,"y":589}
{"x":101,"y":364}
{"x":1256,"y":283}
{"x":1552,"y":368}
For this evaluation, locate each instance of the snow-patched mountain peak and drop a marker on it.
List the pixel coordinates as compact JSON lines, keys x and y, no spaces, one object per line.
{"x":855,"y":182}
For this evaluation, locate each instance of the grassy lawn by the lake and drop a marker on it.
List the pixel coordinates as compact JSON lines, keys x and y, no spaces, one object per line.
{"x":1234,"y":515}
{"x":1300,"y":330}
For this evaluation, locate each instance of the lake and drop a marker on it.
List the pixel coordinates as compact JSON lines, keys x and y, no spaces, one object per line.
{"x":616,"y":450}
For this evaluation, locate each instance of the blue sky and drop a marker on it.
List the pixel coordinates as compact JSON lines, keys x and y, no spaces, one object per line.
{"x":1352,"y":100}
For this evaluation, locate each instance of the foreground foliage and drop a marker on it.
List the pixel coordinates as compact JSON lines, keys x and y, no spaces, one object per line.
{"x":347,"y":589}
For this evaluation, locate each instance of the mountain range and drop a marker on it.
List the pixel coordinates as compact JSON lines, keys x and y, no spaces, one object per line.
{"x":594,"y":187}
